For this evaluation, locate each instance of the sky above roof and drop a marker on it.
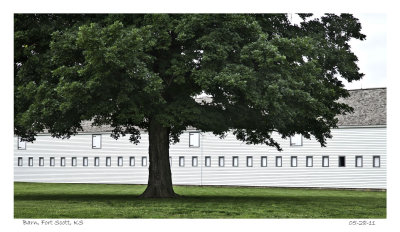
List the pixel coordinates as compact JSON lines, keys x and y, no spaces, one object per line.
{"x":371,"y":52}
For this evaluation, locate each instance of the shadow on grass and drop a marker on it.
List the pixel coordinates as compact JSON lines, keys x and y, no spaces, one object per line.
{"x":221,"y":199}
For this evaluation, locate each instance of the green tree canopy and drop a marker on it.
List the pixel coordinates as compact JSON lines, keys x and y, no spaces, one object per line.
{"x":264,"y":74}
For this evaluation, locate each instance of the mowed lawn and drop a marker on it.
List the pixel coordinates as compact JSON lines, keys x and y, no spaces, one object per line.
{"x":43,"y":200}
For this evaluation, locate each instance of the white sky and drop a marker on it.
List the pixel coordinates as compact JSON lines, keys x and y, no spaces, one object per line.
{"x":371,"y":52}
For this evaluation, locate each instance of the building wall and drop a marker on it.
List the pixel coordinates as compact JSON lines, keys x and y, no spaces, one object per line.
{"x":348,"y":142}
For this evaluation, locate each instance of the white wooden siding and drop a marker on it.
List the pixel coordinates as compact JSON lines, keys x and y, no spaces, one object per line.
{"x":348,"y":142}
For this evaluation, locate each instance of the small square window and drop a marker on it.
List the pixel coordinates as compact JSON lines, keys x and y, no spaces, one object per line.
{"x":132,"y":161}
{"x":376,"y":161}
{"x":30,"y":161}
{"x":293,"y":161}
{"x":96,"y":161}
{"x":208,"y":161}
{"x":41,"y":161}
{"x":181,"y":161}
{"x":52,"y":161}
{"x":120,"y":161}
{"x":221,"y":161}
{"x":342,"y":161}
{"x":21,"y":144}
{"x":359,"y":161}
{"x":296,"y":140}
{"x":144,"y":161}
{"x":85,"y":161}
{"x":194,"y":161}
{"x":263,"y":161}
{"x":249,"y":160}
{"x":325,"y":161}
{"x":19,"y":161}
{"x":62,"y":161}
{"x":170,"y":161}
{"x":309,"y":161}
{"x":194,"y":139}
{"x":235,"y":161}
{"x":278,"y":161}
{"x":73,"y":161}
{"x":108,"y":161}
{"x":96,"y":141}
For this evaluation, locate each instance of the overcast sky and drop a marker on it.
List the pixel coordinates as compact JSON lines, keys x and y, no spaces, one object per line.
{"x":371,"y":52}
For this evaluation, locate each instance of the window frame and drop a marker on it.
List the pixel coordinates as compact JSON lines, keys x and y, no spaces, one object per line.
{"x":362,"y":161}
{"x":312,"y":161}
{"x":276,"y":161}
{"x":221,"y":158}
{"x":233,"y":161}
{"x":195,"y":164}
{"x":74,"y":161}
{"x":41,"y":161}
{"x":205,"y":161}
{"x":132,"y":161}
{"x":294,"y":144}
{"x":85,"y":161}
{"x":144,"y":161}
{"x":323,"y":157}
{"x":62,"y":162}
{"x":247,"y":161}
{"x":120,"y":161}
{"x":374,"y":163}
{"x":96,"y":161}
{"x":18,"y":144}
{"x":30,"y":161}
{"x":52,"y":162}
{"x":262,"y":161}
{"x":20,"y":162}
{"x":198,"y":142}
{"x":181,"y":158}
{"x":108,"y":161}
{"x":344,"y":157}
{"x":101,"y":141}
{"x":291,"y":161}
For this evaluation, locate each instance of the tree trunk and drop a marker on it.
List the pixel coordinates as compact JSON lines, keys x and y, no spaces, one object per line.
{"x":160,"y":180}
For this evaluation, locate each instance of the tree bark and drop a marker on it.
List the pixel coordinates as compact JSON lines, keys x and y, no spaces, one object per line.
{"x":160,"y":181}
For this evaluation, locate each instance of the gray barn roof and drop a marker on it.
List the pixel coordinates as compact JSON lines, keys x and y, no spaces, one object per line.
{"x":369,"y":110}
{"x":88,"y":128}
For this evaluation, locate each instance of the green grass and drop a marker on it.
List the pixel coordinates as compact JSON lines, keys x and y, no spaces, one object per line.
{"x":40,"y":200}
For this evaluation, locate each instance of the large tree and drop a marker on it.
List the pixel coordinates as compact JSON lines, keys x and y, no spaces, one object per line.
{"x":264,"y":74}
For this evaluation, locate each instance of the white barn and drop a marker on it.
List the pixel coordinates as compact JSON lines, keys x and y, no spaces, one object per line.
{"x":354,"y":158}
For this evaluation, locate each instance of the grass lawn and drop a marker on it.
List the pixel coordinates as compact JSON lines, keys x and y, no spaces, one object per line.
{"x":43,"y":200}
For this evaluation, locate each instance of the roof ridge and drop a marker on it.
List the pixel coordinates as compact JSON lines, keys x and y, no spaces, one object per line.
{"x":367,"y":88}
